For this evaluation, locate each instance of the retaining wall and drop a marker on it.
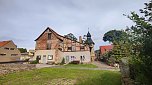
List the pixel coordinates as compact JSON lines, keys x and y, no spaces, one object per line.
{"x":125,"y":77}
{"x":11,"y":68}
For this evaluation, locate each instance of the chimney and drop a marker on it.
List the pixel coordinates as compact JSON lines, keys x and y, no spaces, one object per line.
{"x":80,"y":39}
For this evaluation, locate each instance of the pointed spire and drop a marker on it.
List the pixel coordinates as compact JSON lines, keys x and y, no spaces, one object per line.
{"x":89,"y":41}
{"x":88,"y":34}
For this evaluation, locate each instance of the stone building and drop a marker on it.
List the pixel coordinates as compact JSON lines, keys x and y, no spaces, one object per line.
{"x":9,"y":52}
{"x":52,"y":48}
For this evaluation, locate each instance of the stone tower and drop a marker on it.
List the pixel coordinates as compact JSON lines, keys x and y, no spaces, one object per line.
{"x":90,"y":42}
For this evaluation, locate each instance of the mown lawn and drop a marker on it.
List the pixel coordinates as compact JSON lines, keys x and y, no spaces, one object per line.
{"x":81,"y":65}
{"x":46,"y":76}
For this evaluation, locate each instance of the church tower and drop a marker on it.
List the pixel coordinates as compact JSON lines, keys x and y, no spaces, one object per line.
{"x":91,"y":44}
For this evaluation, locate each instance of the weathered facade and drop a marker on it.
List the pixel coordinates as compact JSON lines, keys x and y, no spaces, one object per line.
{"x":9,"y":52}
{"x":52,"y":47}
{"x":106,"y":48}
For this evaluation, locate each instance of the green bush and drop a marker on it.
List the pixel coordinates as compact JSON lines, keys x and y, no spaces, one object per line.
{"x":34,"y":62}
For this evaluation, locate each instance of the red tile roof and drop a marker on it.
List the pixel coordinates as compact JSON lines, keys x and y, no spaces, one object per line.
{"x":2,"y":43}
{"x":106,"y":48}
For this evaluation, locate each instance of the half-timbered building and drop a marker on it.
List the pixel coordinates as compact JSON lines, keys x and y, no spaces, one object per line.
{"x":52,"y":47}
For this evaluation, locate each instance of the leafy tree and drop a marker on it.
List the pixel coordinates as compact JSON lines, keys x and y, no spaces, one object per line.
{"x":141,"y":40}
{"x":22,"y":50}
{"x":120,"y":41}
{"x":114,"y":36}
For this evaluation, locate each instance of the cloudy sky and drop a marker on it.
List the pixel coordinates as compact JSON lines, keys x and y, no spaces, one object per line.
{"x":24,"y":20}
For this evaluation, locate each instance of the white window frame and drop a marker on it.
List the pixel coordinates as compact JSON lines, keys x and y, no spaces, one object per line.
{"x":50,"y":57}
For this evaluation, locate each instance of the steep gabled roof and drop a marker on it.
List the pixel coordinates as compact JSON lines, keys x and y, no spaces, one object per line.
{"x":42,"y":33}
{"x":3,"y":43}
{"x":48,"y":28}
{"x":55,"y":33}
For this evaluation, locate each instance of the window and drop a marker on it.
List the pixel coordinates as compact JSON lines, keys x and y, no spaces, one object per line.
{"x":12,"y":48}
{"x":6,"y":48}
{"x":49,"y":36}
{"x":82,"y":58}
{"x":69,"y":48}
{"x":105,"y":49}
{"x":73,"y":48}
{"x":67,"y":58}
{"x":82,"y":48}
{"x":60,"y":49}
{"x":38,"y":57}
{"x":50,"y":57}
{"x":14,"y":54}
{"x":73,"y":58}
{"x":2,"y":54}
{"x":48,"y":46}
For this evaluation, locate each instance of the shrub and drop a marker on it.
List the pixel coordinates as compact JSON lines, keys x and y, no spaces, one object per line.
{"x":34,"y":62}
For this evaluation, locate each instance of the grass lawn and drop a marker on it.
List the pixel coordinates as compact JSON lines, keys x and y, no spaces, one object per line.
{"x":52,"y":76}
{"x":81,"y":65}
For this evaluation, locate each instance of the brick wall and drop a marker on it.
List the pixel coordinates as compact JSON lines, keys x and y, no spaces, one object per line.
{"x":41,"y":43}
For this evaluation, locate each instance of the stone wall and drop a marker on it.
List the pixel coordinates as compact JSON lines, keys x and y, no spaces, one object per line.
{"x":124,"y":68}
{"x":11,"y":68}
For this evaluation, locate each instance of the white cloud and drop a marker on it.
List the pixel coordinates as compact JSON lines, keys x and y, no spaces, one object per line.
{"x":25,"y":20}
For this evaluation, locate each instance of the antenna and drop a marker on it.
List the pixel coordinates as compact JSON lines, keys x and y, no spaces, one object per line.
{"x":88,"y":29}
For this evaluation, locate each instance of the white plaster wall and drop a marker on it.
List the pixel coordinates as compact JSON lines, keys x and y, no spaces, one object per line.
{"x":77,"y":55}
{"x":44,"y":52}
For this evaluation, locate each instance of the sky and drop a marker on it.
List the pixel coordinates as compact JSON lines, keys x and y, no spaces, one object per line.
{"x":24,"y":20}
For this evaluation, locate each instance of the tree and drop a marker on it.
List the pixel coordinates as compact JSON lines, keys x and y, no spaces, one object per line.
{"x":120,"y":41}
{"x":22,"y":50}
{"x":141,"y":40}
{"x":114,"y":36}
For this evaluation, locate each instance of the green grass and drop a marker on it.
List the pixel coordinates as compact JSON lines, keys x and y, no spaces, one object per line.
{"x":81,"y":65}
{"x":45,"y":75}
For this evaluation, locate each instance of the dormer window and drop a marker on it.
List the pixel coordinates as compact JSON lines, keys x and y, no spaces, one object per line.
{"x":49,"y":36}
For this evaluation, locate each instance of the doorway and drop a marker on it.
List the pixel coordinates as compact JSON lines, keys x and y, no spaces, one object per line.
{"x":44,"y":59}
{"x":67,"y":59}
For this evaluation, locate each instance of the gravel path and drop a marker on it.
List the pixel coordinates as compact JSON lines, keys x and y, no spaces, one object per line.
{"x":103,"y":66}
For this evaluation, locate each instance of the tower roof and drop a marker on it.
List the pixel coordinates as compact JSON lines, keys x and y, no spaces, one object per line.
{"x":89,"y":40}
{"x":88,"y":34}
